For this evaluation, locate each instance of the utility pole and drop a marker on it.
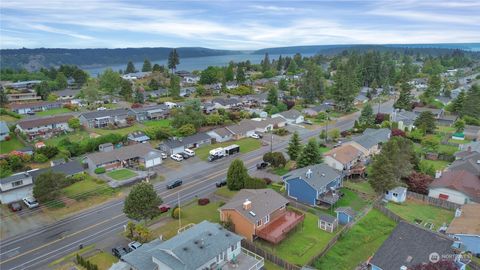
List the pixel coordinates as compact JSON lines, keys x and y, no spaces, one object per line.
{"x":271,"y":141}
{"x":179,"y":211}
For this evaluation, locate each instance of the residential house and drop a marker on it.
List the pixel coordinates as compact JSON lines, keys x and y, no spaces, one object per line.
{"x":327,"y":223}
{"x":101,"y":119}
{"x":69,"y":168}
{"x":437,"y":113}
{"x":397,"y":195}
{"x":177,"y":145}
{"x":360,"y":99}
{"x":371,"y":140}
{"x":409,"y":245}
{"x":345,"y":215}
{"x":260,"y":113}
{"x":468,"y":161}
{"x":313,"y":185}
{"x":292,"y":116}
{"x":24,"y":108}
{"x":23,"y":97}
{"x":222,"y":134}
{"x":444,"y":100}
{"x":44,"y":127}
{"x":187,"y":91}
{"x":419,"y":83}
{"x":257,"y":99}
{"x":154,"y":112}
{"x":128,"y":156}
{"x":472,"y":133}
{"x":471,"y":146}
{"x":465,"y":227}
{"x":344,"y":158}
{"x":457,"y":186}
{"x":138,"y":137}
{"x":4,"y":131}
{"x":405,"y":119}
{"x":260,"y":213}
{"x":135,"y":75}
{"x":246,"y":128}
{"x":23,"y":84}
{"x":203,"y":246}
{"x":105,"y":147}
{"x":188,"y":77}
{"x":66,"y":94}
{"x":15,"y":187}
{"x":226,"y":103}
{"x":315,"y":110}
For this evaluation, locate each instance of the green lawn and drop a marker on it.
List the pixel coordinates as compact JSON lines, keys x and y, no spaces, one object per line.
{"x":103,"y":260}
{"x":459,"y":141}
{"x":411,"y":210}
{"x":225,"y":192}
{"x":271,"y":266}
{"x":157,"y":123}
{"x":87,"y":188}
{"x":351,"y":198}
{"x":362,"y":186}
{"x":8,"y":118}
{"x":437,"y":164}
{"x":246,"y":145}
{"x":74,"y":137}
{"x":53,"y":112}
{"x":447,"y":149}
{"x":445,"y":129}
{"x":324,"y":149}
{"x":302,"y":243}
{"x":121,"y":174}
{"x":122,"y":131}
{"x":280,"y":171}
{"x":191,"y":213}
{"x":9,"y":146}
{"x":357,"y":245}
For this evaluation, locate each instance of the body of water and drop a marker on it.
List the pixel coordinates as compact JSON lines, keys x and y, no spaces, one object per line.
{"x":195,"y":63}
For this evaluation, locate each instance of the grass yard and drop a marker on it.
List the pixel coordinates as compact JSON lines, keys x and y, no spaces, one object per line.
{"x":280,"y":171}
{"x":445,"y":129}
{"x":412,"y":209}
{"x":191,"y":213}
{"x":103,"y":260}
{"x":324,"y":149}
{"x":352,"y":199}
{"x":246,"y":145}
{"x":9,"y":146}
{"x":122,"y":131}
{"x":225,"y":192}
{"x":437,"y":164}
{"x":302,"y":243}
{"x":459,"y":141}
{"x":362,"y":186}
{"x":271,"y":266}
{"x":77,"y":136}
{"x":8,"y":118}
{"x":447,"y":149}
{"x":359,"y":243}
{"x":157,"y":123}
{"x":53,"y":112}
{"x":87,"y":188}
{"x":121,"y":174}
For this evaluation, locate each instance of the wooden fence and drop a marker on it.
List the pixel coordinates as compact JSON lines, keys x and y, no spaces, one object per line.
{"x":433,"y":201}
{"x":387,"y":212}
{"x":268,"y":256}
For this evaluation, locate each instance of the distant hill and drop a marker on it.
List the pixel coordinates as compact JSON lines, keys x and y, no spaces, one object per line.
{"x":33,"y":59}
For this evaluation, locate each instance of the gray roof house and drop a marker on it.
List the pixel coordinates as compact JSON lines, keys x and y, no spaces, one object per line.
{"x":226,"y":103}
{"x":66,"y":94}
{"x":177,"y":145}
{"x":405,"y":119}
{"x":68,"y":168}
{"x":203,"y":246}
{"x":436,"y":112}
{"x":101,"y":119}
{"x":154,"y":112}
{"x":292,"y":116}
{"x":4,"y":131}
{"x":128,"y":156}
{"x":371,"y":139}
{"x":15,"y":187}
{"x":409,"y":245}
{"x":138,"y":137}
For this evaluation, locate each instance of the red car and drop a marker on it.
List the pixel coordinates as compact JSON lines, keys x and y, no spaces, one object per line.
{"x":164,"y":208}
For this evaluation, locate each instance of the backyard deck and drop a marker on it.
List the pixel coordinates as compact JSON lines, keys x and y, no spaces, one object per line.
{"x":277,"y":229}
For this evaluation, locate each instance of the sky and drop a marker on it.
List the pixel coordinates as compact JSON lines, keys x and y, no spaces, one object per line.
{"x":241,"y":25}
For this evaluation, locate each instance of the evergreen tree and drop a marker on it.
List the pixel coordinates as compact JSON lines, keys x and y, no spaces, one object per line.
{"x":471,"y":106}
{"x":272,"y":95}
{"x":367,"y":117}
{"x":3,"y":98}
{"x":310,"y":155}
{"x":280,"y":63}
{"x":173,"y":60}
{"x":156,"y":68}
{"x":139,"y":97}
{"x":458,"y":103}
{"x":294,"y":146}
{"x":61,"y":81}
{"x":47,"y":186}
{"x":237,"y":175}
{"x":434,"y":86}
{"x":130,"y":68}
{"x":405,"y":99}
{"x":344,"y":89}
{"x":240,"y":75}
{"x":80,"y":77}
{"x":147,"y":66}
{"x":459,"y":125}
{"x":292,"y":67}
{"x":426,"y":122}
{"x":142,"y":202}
{"x":265,"y":63}
{"x":312,"y":86}
{"x":229,"y":74}
{"x":126,"y":90}
{"x":174,"y":89}
{"x":283,"y":85}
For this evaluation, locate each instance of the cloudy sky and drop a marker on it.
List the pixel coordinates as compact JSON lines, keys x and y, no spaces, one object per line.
{"x":235,"y":24}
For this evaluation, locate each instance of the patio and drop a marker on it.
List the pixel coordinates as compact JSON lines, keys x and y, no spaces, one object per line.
{"x":329,"y":198}
{"x":278,"y":229}
{"x":246,"y":260}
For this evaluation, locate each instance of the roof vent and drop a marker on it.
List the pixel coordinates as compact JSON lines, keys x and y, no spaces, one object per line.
{"x":403,"y":267}
{"x":201,"y":247}
{"x":308,"y":174}
{"x":323,"y":174}
{"x":409,"y":259}
{"x":209,"y":234}
{"x":227,"y":234}
{"x":458,"y":212}
{"x":196,"y":242}
{"x":185,"y":248}
{"x":252,"y":213}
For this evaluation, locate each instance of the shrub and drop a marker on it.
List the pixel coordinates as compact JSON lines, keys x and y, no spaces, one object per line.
{"x":40,"y":158}
{"x":48,"y":151}
{"x":203,"y":201}
{"x":176,"y":212}
{"x":267,"y":180}
{"x":398,"y":132}
{"x":280,"y":132}
{"x":255,"y":183}
{"x":100,"y":170}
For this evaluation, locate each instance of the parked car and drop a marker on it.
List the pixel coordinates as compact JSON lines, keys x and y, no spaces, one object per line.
{"x":164,"y":155}
{"x":255,"y":136}
{"x":31,"y":113}
{"x":221,"y":183}
{"x":189,"y":152}
{"x":164,"y":208}
{"x":30,"y":202}
{"x":308,"y":122}
{"x":101,"y":109}
{"x":119,"y":251}
{"x":134,"y":245}
{"x":176,"y":157}
{"x":214,"y":157}
{"x":174,"y":184}
{"x":338,"y":144}
{"x":184,"y":155}
{"x":15,"y":207}
{"x":261,"y":166}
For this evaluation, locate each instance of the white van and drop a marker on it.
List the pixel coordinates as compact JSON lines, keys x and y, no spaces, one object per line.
{"x":189,"y":152}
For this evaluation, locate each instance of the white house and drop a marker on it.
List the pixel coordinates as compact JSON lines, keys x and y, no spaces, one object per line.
{"x":44,"y":127}
{"x":398,"y":194}
{"x":292,"y":116}
{"x":15,"y":187}
{"x":457,"y":186}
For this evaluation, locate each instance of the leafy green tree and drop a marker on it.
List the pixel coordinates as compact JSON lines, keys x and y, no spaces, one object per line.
{"x":80,"y":77}
{"x":459,"y":125}
{"x":312,"y":85}
{"x":292,"y":67}
{"x":157,"y":68}
{"x":130,"y":67}
{"x":61,"y":81}
{"x":283,"y":85}
{"x":229,"y":74}
{"x":334,"y":133}
{"x":174,"y":89}
{"x":173,"y":60}
{"x":430,"y":143}
{"x":47,"y":186}
{"x":142,"y":202}
{"x":126,"y":90}
{"x":74,"y":123}
{"x":426,"y":122}
{"x":240,"y":75}
{"x":211,"y":75}
{"x":323,"y":135}
{"x":294,"y":146}
{"x":110,"y":82}
{"x":147,"y":66}
{"x":187,"y":130}
{"x":237,"y":175}
{"x":367,"y":117}
{"x":310,"y":154}
{"x":272,"y":95}
{"x":90,"y":91}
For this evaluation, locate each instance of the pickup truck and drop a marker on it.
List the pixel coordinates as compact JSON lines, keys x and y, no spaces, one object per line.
{"x":261,"y":166}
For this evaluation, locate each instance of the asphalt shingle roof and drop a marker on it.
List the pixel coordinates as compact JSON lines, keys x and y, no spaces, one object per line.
{"x":291,"y":114}
{"x":105,"y":113}
{"x":372,"y":137}
{"x":123,"y":153}
{"x":26,"y":124}
{"x":328,"y":218}
{"x":186,"y":140}
{"x":322,"y":175}
{"x":68,"y":168}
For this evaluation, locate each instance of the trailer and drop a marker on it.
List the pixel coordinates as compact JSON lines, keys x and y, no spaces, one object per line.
{"x":220,"y":152}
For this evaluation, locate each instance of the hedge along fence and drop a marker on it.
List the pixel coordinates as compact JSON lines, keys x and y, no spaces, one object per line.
{"x":269,"y":256}
{"x":433,"y":201}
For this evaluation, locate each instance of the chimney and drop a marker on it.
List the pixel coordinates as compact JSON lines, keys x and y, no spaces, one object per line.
{"x":247,"y":205}
{"x":308,"y":174}
{"x":438,"y":174}
{"x":334,"y":155}
{"x":458,"y":212}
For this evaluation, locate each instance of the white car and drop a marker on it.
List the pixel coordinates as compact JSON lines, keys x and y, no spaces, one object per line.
{"x":101,"y":109}
{"x":176,"y":157}
{"x":164,"y":156}
{"x":255,"y":136}
{"x":134,"y":245}
{"x":189,"y":152}
{"x":30,"y":202}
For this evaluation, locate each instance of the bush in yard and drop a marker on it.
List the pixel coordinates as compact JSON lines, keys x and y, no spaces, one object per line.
{"x":441,"y":265}
{"x":47,"y":186}
{"x":39,"y":158}
{"x":280,"y":132}
{"x":398,"y":132}
{"x":187,"y":130}
{"x":255,"y":183}
{"x":418,"y":182}
{"x":203,"y":201}
{"x":48,"y":151}
{"x":136,"y":105}
{"x":100,"y":170}
{"x":267,"y":180}
{"x":176,"y":212}
{"x":428,"y":169}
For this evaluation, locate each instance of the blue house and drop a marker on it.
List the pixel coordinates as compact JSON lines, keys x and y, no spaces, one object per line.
{"x":345,"y":215}
{"x":314,"y":184}
{"x":465,"y":227}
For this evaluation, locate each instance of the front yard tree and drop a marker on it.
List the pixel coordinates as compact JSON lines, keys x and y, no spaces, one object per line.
{"x":110,"y":82}
{"x":294,"y":146}
{"x":459,"y":125}
{"x":310,"y":155}
{"x":74,"y":123}
{"x":126,"y":90}
{"x":367,"y":118}
{"x":174,"y":86}
{"x":237,"y":175}
{"x":272,"y":95}
{"x":426,"y":122}
{"x":142,"y":202}
{"x":147,"y":66}
{"x":47,"y":186}
{"x":418,"y":182}
{"x":240,"y":75}
{"x":130,"y":67}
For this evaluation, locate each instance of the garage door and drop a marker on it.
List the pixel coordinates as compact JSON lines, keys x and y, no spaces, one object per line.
{"x":157,"y":161}
{"x":149,"y":163}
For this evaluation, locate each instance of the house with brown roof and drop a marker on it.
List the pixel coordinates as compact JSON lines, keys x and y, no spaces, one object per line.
{"x":44,"y":127}
{"x":344,"y":158}
{"x":260,"y":213}
{"x":458,"y":186}
{"x":472,"y":132}
{"x":465,"y":227}
{"x":468,"y":161}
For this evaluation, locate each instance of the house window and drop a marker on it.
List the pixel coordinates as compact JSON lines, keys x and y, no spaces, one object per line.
{"x":267,"y":219}
{"x":233,"y":247}
{"x":395,"y":195}
{"x":17,"y":183}
{"x":386,"y":192}
{"x":259,"y":222}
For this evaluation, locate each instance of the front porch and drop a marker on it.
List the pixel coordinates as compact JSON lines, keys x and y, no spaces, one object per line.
{"x":275,"y":231}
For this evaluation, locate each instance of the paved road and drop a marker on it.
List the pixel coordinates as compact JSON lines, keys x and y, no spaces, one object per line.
{"x":37,"y":248}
